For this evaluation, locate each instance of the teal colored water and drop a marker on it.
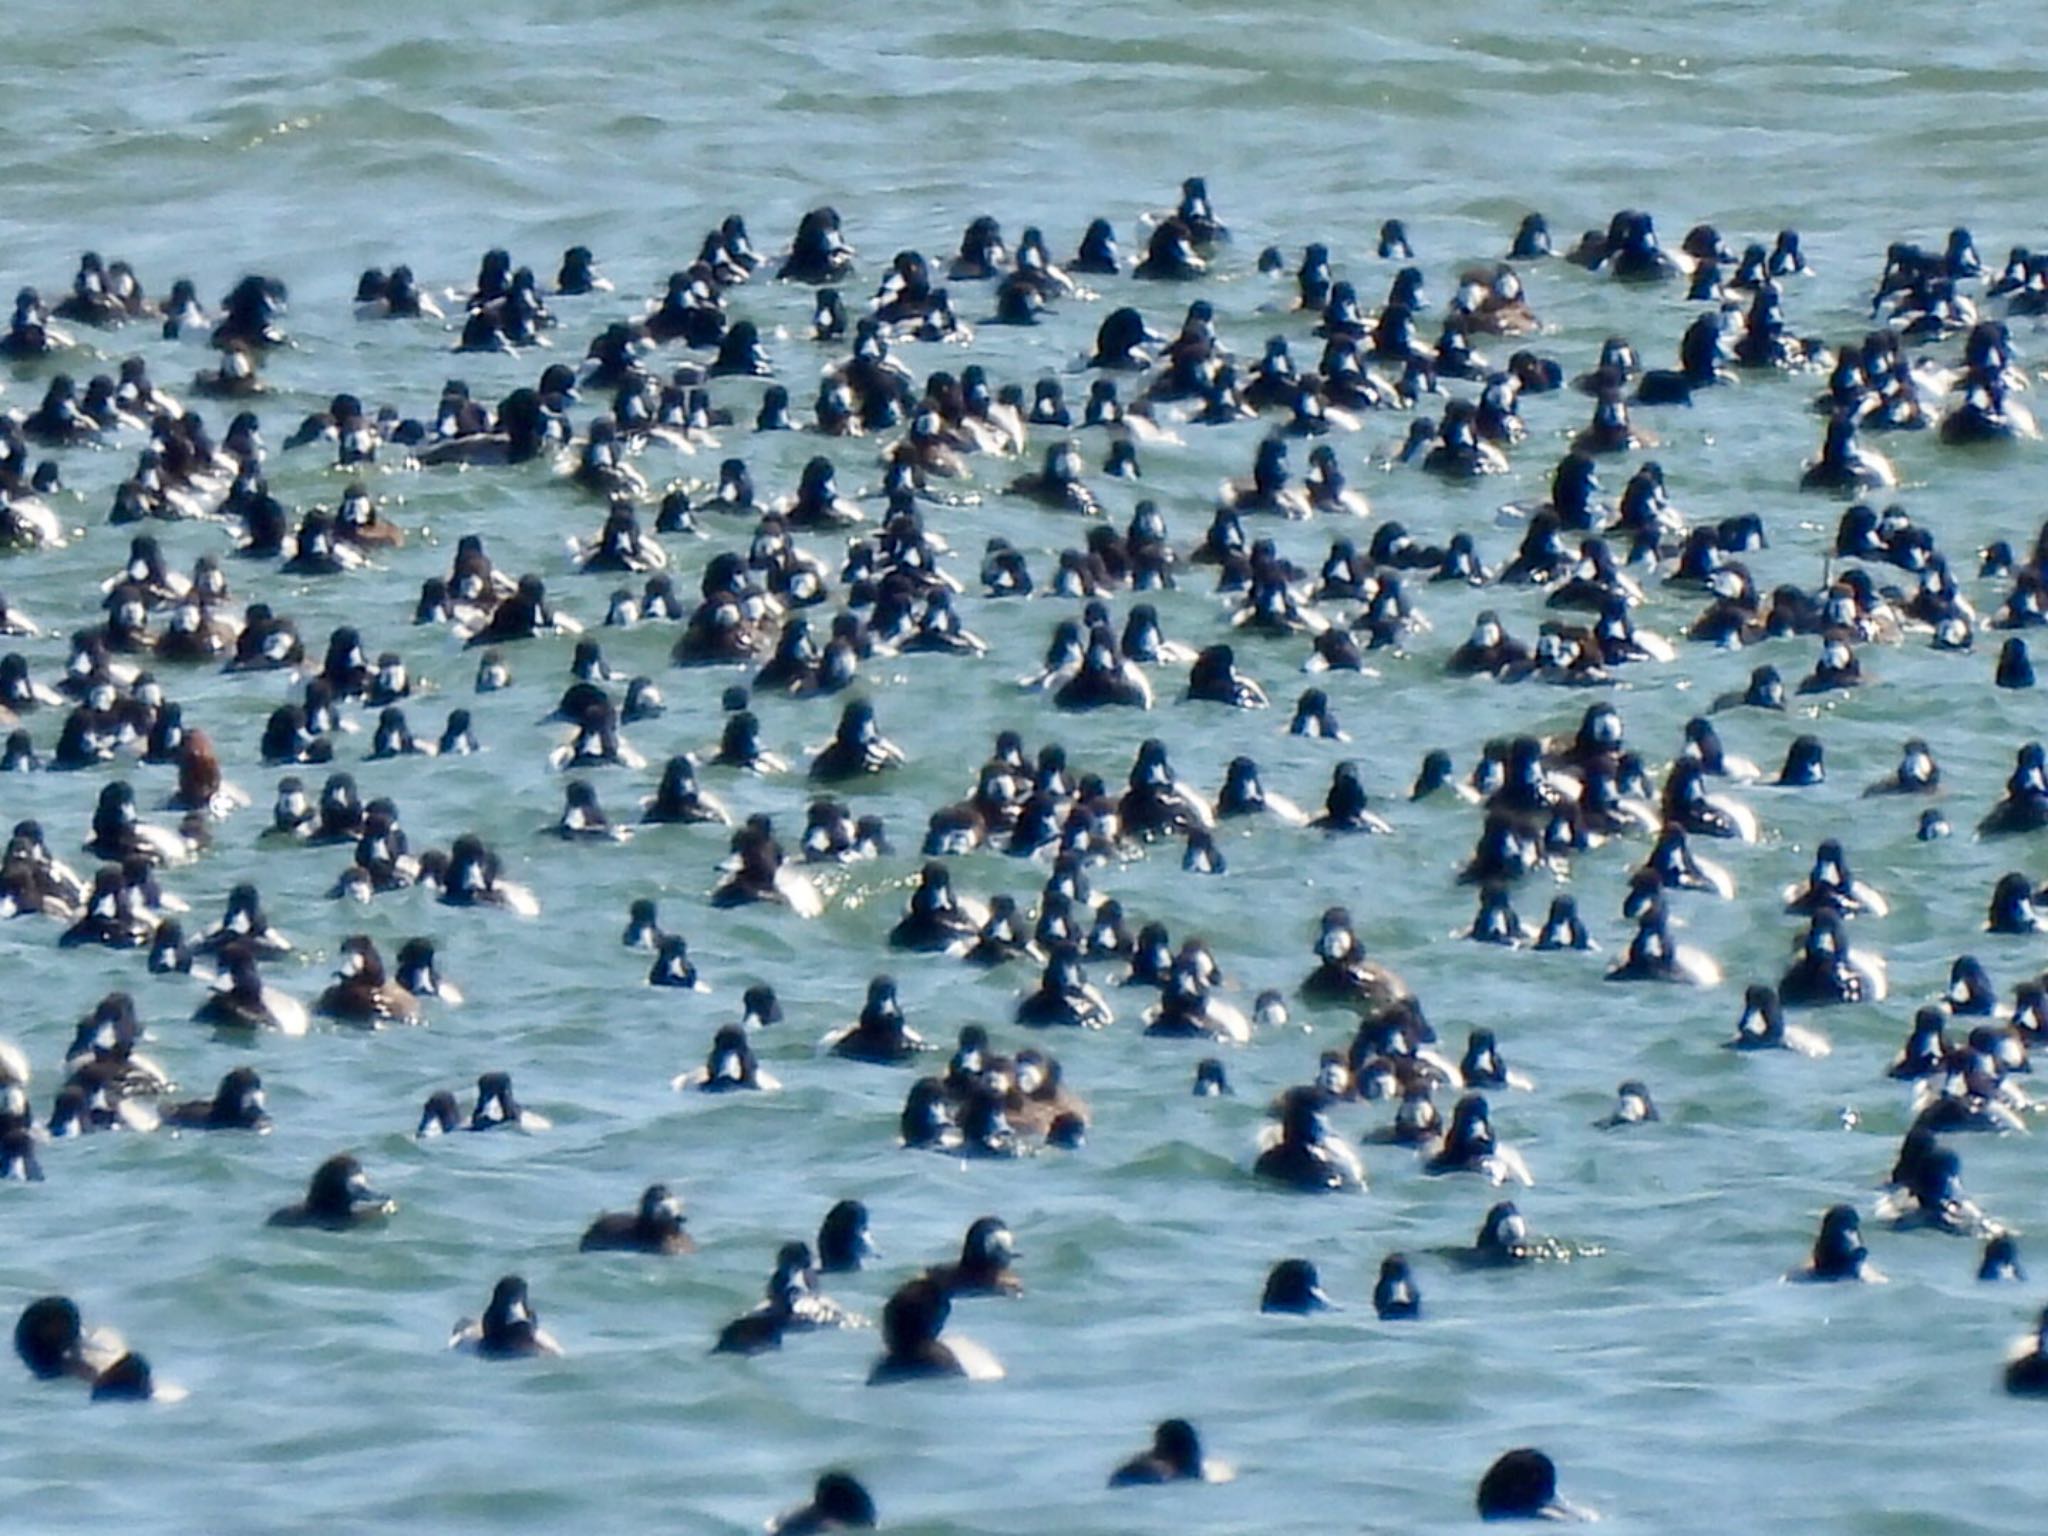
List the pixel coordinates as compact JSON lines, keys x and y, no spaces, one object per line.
{"x":1678,"y":1384}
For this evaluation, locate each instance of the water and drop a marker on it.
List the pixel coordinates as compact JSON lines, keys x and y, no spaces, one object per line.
{"x":1678,"y":1385}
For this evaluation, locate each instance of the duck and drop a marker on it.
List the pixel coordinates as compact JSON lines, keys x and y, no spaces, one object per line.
{"x":656,"y":1226}
{"x":51,"y":1340}
{"x":1687,"y":803}
{"x":1931,"y":1196}
{"x":1303,"y":1153}
{"x":679,"y":799}
{"x":1157,"y":802}
{"x":2001,"y":1260}
{"x":103,"y":1050}
{"x":474,"y":880}
{"x":880,"y":1035}
{"x":857,"y":749}
{"x":1344,"y":974}
{"x":1395,"y":1295}
{"x":362,"y":993}
{"x":1522,"y":1485}
{"x":583,"y":819}
{"x":1470,"y":1146}
{"x":1673,"y":866}
{"x":1762,"y":1027}
{"x":983,"y":1269}
{"x":109,"y":913}
{"x":1098,"y":676}
{"x":1215,"y":679}
{"x":1175,"y":1456}
{"x":2026,"y":1371}
{"x":119,"y":833}
{"x":1653,"y":955}
{"x":838,"y":1502}
{"x":497,"y":1108}
{"x":243,"y":1001}
{"x":1189,"y":1009}
{"x":1503,"y":1241}
{"x":2024,"y":807}
{"x":915,"y":1346}
{"x":509,"y":1328}
{"x":1831,"y":886}
{"x":926,"y":1122}
{"x":757,"y":871}
{"x":1244,"y":794}
{"x":1064,"y":996}
{"x":936,"y":920}
{"x":1058,"y":485}
{"x":420,"y":975}
{"x":237,"y":1105}
{"x":1482,"y":1065}
{"x":1844,"y":465}
{"x":338,"y":1197}
{"x":244,"y":924}
{"x":1829,"y":971}
{"x":1346,"y":807}
{"x":730,"y":1066}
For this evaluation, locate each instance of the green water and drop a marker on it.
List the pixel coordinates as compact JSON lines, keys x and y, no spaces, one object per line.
{"x":1678,"y":1385}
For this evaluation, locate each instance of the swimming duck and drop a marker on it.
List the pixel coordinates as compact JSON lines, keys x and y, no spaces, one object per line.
{"x":913,"y":1348}
{"x":1346,"y":807}
{"x":1175,"y":1456}
{"x":983,"y":1269}
{"x":838,"y":1502}
{"x":1295,"y":1286}
{"x":237,"y":1105}
{"x":936,"y":919}
{"x":858,"y":747}
{"x":1762,"y":1027}
{"x":655,"y":1227}
{"x":362,"y":993}
{"x":1831,"y":886}
{"x":1632,"y":1106}
{"x":1064,"y":996}
{"x":1470,"y":1146}
{"x":2026,"y":1372}
{"x":731,"y":1066}
{"x":244,"y":1002}
{"x":1302,"y":1151}
{"x":474,"y":879}
{"x":1829,"y":971}
{"x":338,"y":1197}
{"x":497,"y":1108}
{"x":1189,"y":1008}
{"x":1844,"y":466}
{"x":1344,"y":974}
{"x":1653,"y":955}
{"x":509,"y":1328}
{"x":1931,"y":1196}
{"x":757,"y":871}
{"x":1522,"y":1485}
{"x":2001,"y":1260}
{"x":51,"y":1340}
{"x":880,"y":1035}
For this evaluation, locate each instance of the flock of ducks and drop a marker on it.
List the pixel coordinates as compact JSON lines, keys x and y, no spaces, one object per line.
{"x":771,"y":608}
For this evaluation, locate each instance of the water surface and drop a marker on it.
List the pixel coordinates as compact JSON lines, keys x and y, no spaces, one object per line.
{"x":1677,"y":1383}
